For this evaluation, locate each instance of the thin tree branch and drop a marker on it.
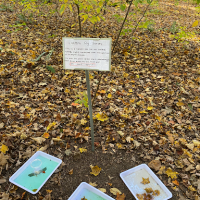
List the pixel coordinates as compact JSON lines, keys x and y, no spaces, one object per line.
{"x":112,"y":52}
{"x":140,"y":20}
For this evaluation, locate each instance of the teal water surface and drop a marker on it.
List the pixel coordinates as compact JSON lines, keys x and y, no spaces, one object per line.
{"x":33,"y":183}
{"x":90,"y":195}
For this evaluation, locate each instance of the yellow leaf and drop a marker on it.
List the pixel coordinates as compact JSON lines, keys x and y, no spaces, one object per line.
{"x":4,"y":148}
{"x":34,"y":190}
{"x":95,"y":170}
{"x":51,"y":125}
{"x":191,"y":188}
{"x":126,"y":54}
{"x":158,"y":117}
{"x":46,"y":135}
{"x":101,"y":117}
{"x":132,"y":100}
{"x":145,"y":181}
{"x":102,"y":91}
{"x":67,"y":90}
{"x":150,"y":108}
{"x":187,"y":153}
{"x":125,"y":75}
{"x":82,"y":150}
{"x":49,"y":191}
{"x":195,"y":23}
{"x":83,"y":121}
{"x":143,"y":111}
{"x":180,"y":103}
{"x":162,"y":169}
{"x":109,"y":95}
{"x":171,"y":173}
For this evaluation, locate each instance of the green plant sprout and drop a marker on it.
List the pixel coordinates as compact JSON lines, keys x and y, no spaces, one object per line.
{"x":83,"y":99}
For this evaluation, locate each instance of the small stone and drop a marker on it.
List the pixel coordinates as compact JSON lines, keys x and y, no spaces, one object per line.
{"x":155,"y":164}
{"x":198,"y":167}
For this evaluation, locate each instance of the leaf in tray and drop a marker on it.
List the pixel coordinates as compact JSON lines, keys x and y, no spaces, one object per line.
{"x":147,"y":197}
{"x":145,"y":181}
{"x":148,"y":190}
{"x":83,"y":198}
{"x":32,"y":174}
{"x":156,"y":193}
{"x":140,"y":196}
{"x":34,"y":190}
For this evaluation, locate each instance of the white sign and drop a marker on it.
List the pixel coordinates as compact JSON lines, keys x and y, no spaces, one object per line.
{"x":87,"y":53}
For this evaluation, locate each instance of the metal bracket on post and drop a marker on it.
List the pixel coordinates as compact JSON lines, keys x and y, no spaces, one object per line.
{"x":90,"y":107}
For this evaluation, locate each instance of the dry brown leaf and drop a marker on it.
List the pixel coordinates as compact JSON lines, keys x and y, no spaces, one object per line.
{"x":5,"y":196}
{"x":39,"y":140}
{"x":115,"y":191}
{"x":3,"y":159}
{"x":155,"y":164}
{"x":120,"y":196}
{"x":2,"y":180}
{"x":102,"y":189}
{"x":93,"y":184}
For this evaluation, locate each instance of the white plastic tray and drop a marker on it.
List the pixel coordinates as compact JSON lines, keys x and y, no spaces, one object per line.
{"x":89,"y":192}
{"x":26,"y":182}
{"x":133,"y":178}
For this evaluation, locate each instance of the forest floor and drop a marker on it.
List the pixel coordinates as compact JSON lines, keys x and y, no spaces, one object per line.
{"x":147,"y":109}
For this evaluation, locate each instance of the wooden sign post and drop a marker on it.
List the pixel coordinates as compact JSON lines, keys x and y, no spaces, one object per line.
{"x":87,"y":54}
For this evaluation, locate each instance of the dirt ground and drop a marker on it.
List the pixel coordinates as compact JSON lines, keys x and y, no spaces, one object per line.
{"x":63,"y":184}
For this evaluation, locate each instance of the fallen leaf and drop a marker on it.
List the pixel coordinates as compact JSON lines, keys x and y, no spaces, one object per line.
{"x":95,"y":170}
{"x":5,"y":196}
{"x":68,"y":152}
{"x":191,"y":188}
{"x":3,"y":159}
{"x":51,"y":125}
{"x":101,"y":117}
{"x":82,"y":150}
{"x":34,"y":190}
{"x":39,"y":140}
{"x":2,"y":180}
{"x":155,"y":164}
{"x":102,"y":189}
{"x":4,"y":148}
{"x":120,"y":196}
{"x":156,"y":193}
{"x":148,"y":190}
{"x":1,"y":125}
{"x":93,"y":184}
{"x":109,"y":96}
{"x":46,"y":135}
{"x":195,"y":23}
{"x":175,"y":182}
{"x":75,"y":104}
{"x":71,"y":172}
{"x":171,"y":173}
{"x":115,"y":191}
{"x":180,"y":103}
{"x":145,"y":181}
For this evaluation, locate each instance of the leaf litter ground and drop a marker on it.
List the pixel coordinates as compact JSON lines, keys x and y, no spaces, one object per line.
{"x":147,"y":108}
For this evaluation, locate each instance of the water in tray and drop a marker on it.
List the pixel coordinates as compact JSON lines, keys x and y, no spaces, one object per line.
{"x":134,"y":181}
{"x":32,"y":179}
{"x":88,"y":195}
